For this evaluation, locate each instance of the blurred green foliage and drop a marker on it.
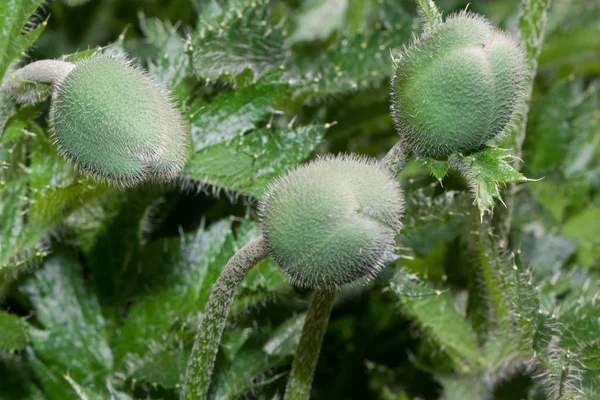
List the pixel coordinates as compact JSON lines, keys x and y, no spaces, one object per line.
{"x":101,"y":289}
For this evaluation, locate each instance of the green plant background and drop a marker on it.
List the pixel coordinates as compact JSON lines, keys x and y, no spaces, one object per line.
{"x":101,"y":289}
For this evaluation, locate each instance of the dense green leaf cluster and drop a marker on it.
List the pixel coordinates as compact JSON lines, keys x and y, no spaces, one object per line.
{"x":102,"y":288}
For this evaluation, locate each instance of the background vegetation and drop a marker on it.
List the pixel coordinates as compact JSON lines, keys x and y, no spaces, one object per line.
{"x":101,"y":289}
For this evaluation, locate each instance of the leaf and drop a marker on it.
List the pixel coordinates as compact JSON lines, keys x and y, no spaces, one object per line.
{"x":435,"y":312}
{"x":584,"y":227}
{"x":232,"y":113}
{"x":165,"y":368}
{"x":286,"y":337}
{"x":234,"y":40}
{"x":73,"y":338}
{"x":431,"y":220}
{"x":178,"y":274}
{"x":460,"y":387}
{"x":439,"y":169}
{"x":14,"y":15}
{"x":357,"y":62}
{"x":171,"y":62}
{"x":485,"y":170}
{"x":248,"y":165}
{"x":550,"y":129}
{"x":14,"y":332}
{"x":253,"y":367}
{"x":16,"y":382}
{"x":532,"y":25}
{"x":317,"y":19}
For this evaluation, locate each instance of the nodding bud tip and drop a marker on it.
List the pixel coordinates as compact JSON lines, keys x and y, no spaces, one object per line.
{"x":332,"y":221}
{"x":111,"y":119}
{"x":457,"y":86}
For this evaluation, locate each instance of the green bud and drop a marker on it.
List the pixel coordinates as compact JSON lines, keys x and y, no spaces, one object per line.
{"x":114,"y":121}
{"x":332,"y":221}
{"x":457,"y":86}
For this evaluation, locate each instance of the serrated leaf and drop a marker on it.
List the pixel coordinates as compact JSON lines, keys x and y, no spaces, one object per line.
{"x":165,"y":368}
{"x":431,"y":220}
{"x":357,"y":62}
{"x":252,"y":367}
{"x":248,"y":165}
{"x":439,"y":169}
{"x":435,"y":312}
{"x":486,"y":170}
{"x":317,"y":19}
{"x":73,"y":338}
{"x":14,"y":15}
{"x":178,"y":276}
{"x":171,"y":61}
{"x":236,"y":40}
{"x":232,"y":113}
{"x":584,"y":227}
{"x":286,"y":337}
{"x":13,"y":334}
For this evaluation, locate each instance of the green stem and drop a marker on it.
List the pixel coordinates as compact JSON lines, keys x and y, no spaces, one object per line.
{"x":431,"y":12}
{"x":206,"y":344}
{"x":23,"y":84}
{"x":395,"y":160}
{"x":532,"y":27}
{"x":307,"y":353}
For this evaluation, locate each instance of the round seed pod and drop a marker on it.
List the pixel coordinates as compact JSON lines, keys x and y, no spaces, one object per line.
{"x":457,"y":86}
{"x":111,"y":119}
{"x":332,"y":221}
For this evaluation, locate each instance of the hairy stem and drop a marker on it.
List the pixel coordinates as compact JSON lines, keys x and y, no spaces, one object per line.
{"x":23,"y":84}
{"x":395,"y":160}
{"x":532,"y":26}
{"x":206,"y":344}
{"x":307,"y":353}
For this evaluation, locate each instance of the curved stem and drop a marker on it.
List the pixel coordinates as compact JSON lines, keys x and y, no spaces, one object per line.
{"x":395,"y":160}
{"x":307,"y":353}
{"x":206,"y":343}
{"x":22,"y":84}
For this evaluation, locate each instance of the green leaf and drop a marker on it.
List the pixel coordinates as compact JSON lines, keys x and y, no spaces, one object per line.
{"x":435,"y":312}
{"x":431,"y":12}
{"x":431,"y":220}
{"x":16,"y":382}
{"x":236,"y":40}
{"x":85,"y":393}
{"x":584,"y":227}
{"x":178,"y":275}
{"x":357,"y":62}
{"x":171,"y":62}
{"x":485,"y":170}
{"x":14,"y":332}
{"x":532,"y":26}
{"x":232,"y":113}
{"x":317,"y":19}
{"x":248,"y":164}
{"x":460,"y":387}
{"x":14,"y":15}
{"x":163,"y":367}
{"x":253,"y":367}
{"x":73,"y":338}
{"x":439,"y":169}
{"x":286,"y":337}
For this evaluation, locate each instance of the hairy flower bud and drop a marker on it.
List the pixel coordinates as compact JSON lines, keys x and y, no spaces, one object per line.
{"x":114,"y":121}
{"x":332,"y":221}
{"x":457,"y":87}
